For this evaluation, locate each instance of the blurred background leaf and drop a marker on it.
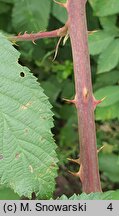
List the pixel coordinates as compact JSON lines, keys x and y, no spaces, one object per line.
{"x":58,"y":81}
{"x":8,"y":194}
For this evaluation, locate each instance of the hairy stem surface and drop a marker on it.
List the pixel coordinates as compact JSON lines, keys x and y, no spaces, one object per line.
{"x":35,"y":36}
{"x":89,"y":172}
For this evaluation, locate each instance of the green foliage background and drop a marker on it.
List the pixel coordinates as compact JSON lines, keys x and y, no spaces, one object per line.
{"x":57,"y":80}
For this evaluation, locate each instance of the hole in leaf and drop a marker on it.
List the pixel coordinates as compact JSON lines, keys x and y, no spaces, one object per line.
{"x":22,"y":74}
{"x":17,"y":155}
{"x":26,"y":130}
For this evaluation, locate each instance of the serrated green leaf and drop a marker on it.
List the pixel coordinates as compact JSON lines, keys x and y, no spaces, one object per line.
{"x":108,"y":163}
{"x":105,"y":7}
{"x":63,"y":197}
{"x":31,"y":15}
{"x":92,"y":196}
{"x":110,"y":92}
{"x":109,"y":24}
{"x":109,"y":58}
{"x":98,"y":41}
{"x":27,"y":149}
{"x":108,"y":112}
{"x":8,"y":194}
{"x":106,"y":79}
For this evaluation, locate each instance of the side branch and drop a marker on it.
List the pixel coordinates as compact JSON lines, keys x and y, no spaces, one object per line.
{"x":61,"y":32}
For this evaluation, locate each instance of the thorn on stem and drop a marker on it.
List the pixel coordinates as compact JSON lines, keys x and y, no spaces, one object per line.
{"x":61,"y":4}
{"x":100,"y":149}
{"x":70,"y":101}
{"x":91,"y":32}
{"x":33,"y":41}
{"x":80,"y":172}
{"x":19,"y":33}
{"x":25,"y":33}
{"x":96,"y":102}
{"x":77,"y":161}
{"x":77,"y":174}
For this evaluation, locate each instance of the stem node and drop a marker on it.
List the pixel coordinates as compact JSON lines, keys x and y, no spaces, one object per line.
{"x":85,"y":93}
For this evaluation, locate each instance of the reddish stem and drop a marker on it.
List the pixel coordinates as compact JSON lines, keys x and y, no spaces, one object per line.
{"x":84,"y":100}
{"x":35,"y":36}
{"x":89,"y":172}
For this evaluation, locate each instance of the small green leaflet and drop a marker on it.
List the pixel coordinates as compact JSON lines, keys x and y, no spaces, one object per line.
{"x":59,"y":12}
{"x":109,"y":164}
{"x":105,"y":8}
{"x":98,"y":41}
{"x":109,"y":58}
{"x":110,"y":92}
{"x":31,"y":15}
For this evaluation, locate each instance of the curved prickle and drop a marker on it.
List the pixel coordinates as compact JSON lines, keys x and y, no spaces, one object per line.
{"x":96,"y":102}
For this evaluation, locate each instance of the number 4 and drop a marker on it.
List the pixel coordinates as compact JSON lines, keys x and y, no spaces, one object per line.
{"x":110,"y":207}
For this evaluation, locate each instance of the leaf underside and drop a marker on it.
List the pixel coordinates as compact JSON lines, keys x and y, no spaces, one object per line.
{"x":27,"y":149}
